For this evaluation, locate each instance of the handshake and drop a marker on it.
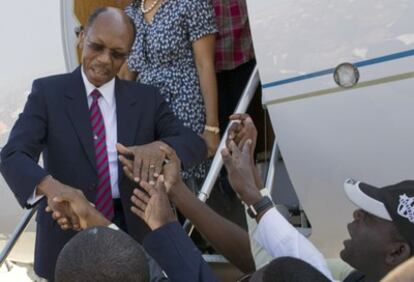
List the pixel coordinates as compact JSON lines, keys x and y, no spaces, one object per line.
{"x":161,"y":182}
{"x":72,"y":210}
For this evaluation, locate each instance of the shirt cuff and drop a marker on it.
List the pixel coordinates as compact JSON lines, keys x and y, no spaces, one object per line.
{"x":272,"y":218}
{"x":113,"y":226}
{"x":33,"y":199}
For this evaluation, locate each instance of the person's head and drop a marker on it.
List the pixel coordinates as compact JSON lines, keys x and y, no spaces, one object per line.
{"x":105,"y":42}
{"x":382,"y":232}
{"x":102,"y":254}
{"x":288,"y":269}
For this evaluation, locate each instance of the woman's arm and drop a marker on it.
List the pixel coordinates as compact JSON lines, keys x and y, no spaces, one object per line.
{"x":125,"y":73}
{"x":203,"y":50}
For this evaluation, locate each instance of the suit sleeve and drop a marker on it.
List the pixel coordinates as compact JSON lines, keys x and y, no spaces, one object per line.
{"x":20,"y":156}
{"x":190,"y":147}
{"x":177,"y":255}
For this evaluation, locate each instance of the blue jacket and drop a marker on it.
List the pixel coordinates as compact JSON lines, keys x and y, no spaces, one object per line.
{"x":174,"y":251}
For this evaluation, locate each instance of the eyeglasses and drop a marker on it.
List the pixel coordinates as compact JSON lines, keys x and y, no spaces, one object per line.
{"x":99,"y":48}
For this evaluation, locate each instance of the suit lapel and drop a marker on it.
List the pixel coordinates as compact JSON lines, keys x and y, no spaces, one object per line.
{"x":127,"y":115}
{"x":78,"y":111}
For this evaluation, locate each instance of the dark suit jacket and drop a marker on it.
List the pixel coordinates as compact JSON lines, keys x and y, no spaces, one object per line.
{"x":177,"y":255}
{"x":55,"y":121}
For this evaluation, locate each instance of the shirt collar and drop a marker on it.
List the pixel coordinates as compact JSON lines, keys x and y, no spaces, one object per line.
{"x":107,"y":90}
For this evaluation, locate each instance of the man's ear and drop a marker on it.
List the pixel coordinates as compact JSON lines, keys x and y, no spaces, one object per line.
{"x":81,"y":39}
{"x":398,"y":252}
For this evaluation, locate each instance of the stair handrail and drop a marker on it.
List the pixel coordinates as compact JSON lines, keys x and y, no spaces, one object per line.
{"x":18,"y":231}
{"x":217,"y":162}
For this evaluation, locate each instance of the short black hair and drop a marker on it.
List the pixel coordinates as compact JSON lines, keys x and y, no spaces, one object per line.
{"x":92,"y":17}
{"x":102,"y":254}
{"x":289,"y":269}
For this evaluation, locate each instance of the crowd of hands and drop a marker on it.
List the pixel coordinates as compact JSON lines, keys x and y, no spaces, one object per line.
{"x":155,"y":169}
{"x":160,"y":186}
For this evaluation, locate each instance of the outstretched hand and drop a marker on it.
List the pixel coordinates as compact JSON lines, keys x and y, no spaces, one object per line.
{"x":242,"y":129}
{"x":152,"y":204}
{"x":241,"y":171}
{"x":171,"y":169}
{"x":52,"y":188}
{"x":75,"y":200}
{"x":142,"y":162}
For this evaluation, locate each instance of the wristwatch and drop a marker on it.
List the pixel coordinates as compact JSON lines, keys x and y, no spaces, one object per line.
{"x":261,"y":205}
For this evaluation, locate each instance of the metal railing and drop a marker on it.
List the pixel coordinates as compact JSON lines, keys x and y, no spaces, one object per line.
{"x":217,"y":163}
{"x":14,"y":237}
{"x":271,"y":171}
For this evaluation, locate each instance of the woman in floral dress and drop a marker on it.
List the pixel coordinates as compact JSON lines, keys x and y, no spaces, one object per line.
{"x":174,"y":50}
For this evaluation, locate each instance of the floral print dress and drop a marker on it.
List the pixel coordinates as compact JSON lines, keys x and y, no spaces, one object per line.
{"x":162,"y":55}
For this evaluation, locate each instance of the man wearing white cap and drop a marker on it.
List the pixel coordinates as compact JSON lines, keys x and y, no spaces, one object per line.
{"x":382,"y":232}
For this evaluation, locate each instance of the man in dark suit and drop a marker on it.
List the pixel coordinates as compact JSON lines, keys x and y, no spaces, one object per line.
{"x":76,"y":121}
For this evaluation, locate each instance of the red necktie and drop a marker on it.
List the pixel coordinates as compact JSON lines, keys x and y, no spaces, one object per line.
{"x":103,"y":201}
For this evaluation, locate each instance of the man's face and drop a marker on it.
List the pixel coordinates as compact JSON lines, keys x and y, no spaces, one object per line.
{"x":106,"y":45}
{"x":367,"y":247}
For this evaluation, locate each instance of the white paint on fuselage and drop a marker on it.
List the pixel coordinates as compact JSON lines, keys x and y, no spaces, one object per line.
{"x":31,"y":48}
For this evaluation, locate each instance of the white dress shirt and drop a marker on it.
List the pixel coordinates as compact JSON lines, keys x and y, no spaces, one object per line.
{"x":107,"y":105}
{"x":260,"y":256}
{"x":279,"y":238}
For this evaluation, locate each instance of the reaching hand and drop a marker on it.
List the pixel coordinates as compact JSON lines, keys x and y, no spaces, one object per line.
{"x":171,"y":168}
{"x":81,"y":207}
{"x":52,"y":188}
{"x":241,"y":130}
{"x":147,"y":160}
{"x":153,"y":205}
{"x":212,"y":141}
{"x":241,"y":171}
